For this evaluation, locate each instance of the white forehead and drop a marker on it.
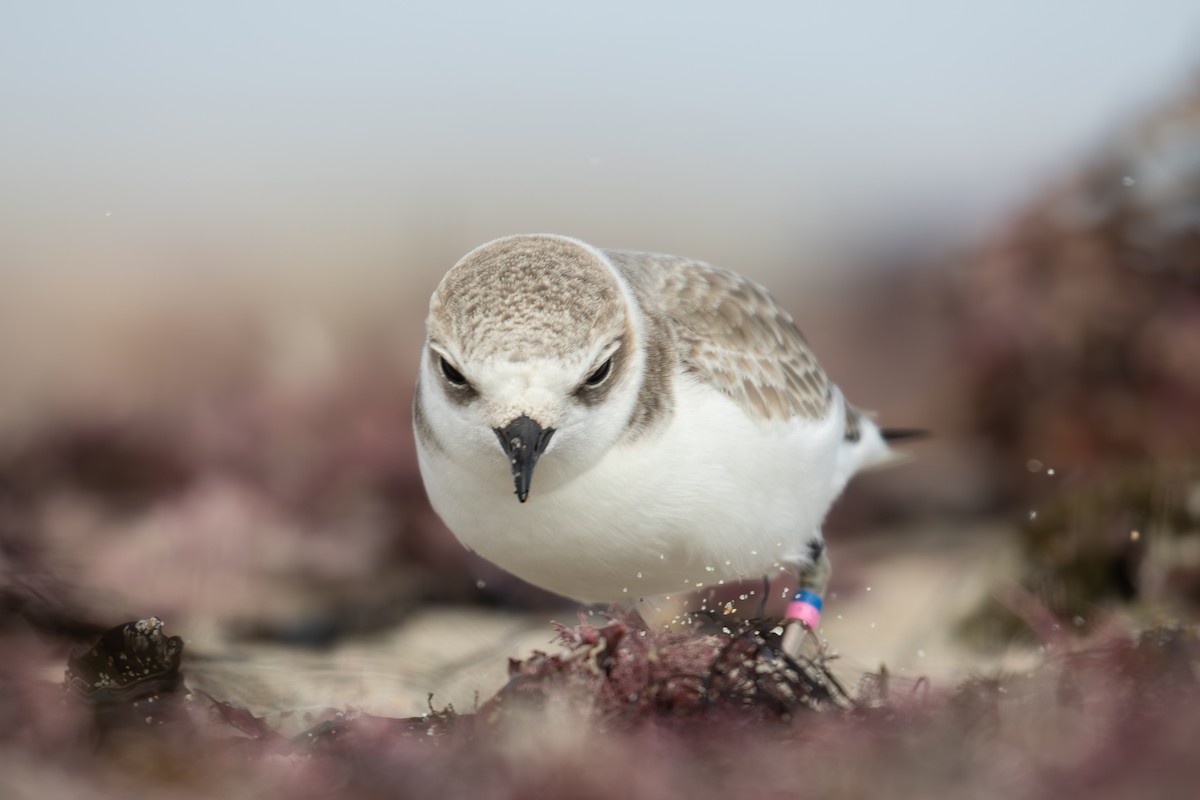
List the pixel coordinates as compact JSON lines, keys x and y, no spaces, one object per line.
{"x":504,"y":376}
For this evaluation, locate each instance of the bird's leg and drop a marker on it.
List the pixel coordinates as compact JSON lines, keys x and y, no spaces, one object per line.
{"x":766,"y":594}
{"x":804,"y":612}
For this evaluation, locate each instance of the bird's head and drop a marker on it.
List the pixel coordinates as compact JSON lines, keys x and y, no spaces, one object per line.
{"x":530,"y":357}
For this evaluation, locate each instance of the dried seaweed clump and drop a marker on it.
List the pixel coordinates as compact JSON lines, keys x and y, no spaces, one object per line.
{"x":646,"y":717}
{"x":625,"y":674}
{"x":129,"y":661}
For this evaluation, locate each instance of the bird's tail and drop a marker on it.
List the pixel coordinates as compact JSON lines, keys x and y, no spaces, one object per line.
{"x":900,"y":434}
{"x":867,"y":446}
{"x":870,"y":447}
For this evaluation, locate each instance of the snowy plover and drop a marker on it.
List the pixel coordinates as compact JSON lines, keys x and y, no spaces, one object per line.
{"x":663,"y":422}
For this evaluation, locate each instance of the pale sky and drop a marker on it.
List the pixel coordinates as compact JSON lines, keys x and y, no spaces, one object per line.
{"x":778,"y":132}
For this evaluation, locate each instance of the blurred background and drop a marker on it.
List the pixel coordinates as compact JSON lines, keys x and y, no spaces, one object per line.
{"x":220,"y":225}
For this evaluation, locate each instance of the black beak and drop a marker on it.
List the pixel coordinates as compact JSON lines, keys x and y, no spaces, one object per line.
{"x":523,"y":441}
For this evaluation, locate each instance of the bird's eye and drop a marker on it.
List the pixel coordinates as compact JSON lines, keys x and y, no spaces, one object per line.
{"x":454,"y":376}
{"x":597,"y":377}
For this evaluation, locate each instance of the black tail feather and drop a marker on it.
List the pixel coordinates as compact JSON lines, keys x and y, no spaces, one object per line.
{"x":899,"y":434}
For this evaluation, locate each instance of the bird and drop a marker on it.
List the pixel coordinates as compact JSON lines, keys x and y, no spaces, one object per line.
{"x":614,"y":425}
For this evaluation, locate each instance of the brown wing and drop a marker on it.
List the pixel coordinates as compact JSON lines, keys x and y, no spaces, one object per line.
{"x":732,"y":335}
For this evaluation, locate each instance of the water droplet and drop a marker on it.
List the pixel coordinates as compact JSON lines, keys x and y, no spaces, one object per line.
{"x":639,"y":574}
{"x":662,"y":556}
{"x":753,"y":552}
{"x":1135,"y":535}
{"x":710,"y":569}
{"x":625,"y":590}
{"x":1128,"y":180}
{"x":1050,"y":471}
{"x":868,"y":588}
{"x":1032,"y":515}
{"x":481,"y":584}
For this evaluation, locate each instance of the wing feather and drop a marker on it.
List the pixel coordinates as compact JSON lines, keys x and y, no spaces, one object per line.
{"x":731,"y":334}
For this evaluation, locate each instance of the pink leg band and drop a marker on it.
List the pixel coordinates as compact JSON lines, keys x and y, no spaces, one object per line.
{"x":806,"y":607}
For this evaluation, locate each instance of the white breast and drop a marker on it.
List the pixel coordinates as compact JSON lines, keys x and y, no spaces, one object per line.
{"x":709,"y":496}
